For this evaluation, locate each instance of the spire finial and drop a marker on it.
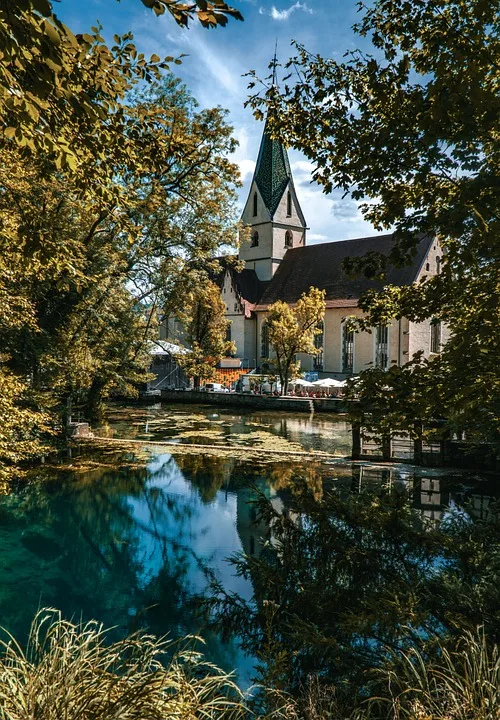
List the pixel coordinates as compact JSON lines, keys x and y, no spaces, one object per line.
{"x":275,"y":62}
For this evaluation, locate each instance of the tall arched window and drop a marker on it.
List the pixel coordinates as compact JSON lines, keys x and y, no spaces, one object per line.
{"x":254,"y":204}
{"x":347,"y":350}
{"x":289,"y":204}
{"x":435,"y":336}
{"x":288,"y":239}
{"x":318,"y":344}
{"x":255,"y":239}
{"x":382,"y":347}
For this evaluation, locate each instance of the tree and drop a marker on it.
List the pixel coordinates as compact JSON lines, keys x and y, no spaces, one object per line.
{"x":412,"y":131}
{"x":54,"y":84}
{"x":83,"y":167}
{"x":84,"y":273}
{"x":292,"y":330}
{"x":210,"y":14}
{"x":206,"y":331}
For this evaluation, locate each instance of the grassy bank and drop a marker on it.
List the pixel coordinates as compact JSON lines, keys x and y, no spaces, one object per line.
{"x":69,"y":670}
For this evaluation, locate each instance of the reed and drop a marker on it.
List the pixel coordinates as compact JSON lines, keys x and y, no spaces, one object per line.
{"x":69,"y":671}
{"x":458,"y":683}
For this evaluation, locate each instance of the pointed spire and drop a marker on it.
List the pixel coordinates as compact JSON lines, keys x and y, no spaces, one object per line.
{"x":275,"y":63}
{"x":272,"y":172}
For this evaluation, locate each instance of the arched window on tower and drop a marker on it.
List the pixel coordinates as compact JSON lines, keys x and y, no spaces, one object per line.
{"x":255,"y":239}
{"x":289,"y":204}
{"x":254,"y":204}
{"x":288,"y":239}
{"x":435,"y":336}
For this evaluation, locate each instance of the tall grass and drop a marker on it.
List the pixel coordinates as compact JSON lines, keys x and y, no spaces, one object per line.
{"x":462,"y":683}
{"x":69,"y":672}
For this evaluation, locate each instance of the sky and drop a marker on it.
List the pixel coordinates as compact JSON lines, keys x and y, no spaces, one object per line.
{"x":214,"y":68}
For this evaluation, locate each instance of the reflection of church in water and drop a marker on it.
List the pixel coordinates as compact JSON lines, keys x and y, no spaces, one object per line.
{"x":433,"y":497}
{"x":252,"y":530}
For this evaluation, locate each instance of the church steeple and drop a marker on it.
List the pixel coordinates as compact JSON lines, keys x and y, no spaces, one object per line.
{"x":272,"y":172}
{"x":272,"y":210}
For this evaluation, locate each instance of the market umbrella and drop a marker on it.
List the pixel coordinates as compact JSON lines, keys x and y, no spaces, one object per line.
{"x":301,"y":383}
{"x":329,"y":383}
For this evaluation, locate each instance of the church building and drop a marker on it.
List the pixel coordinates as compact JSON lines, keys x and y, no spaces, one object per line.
{"x":279,"y":265}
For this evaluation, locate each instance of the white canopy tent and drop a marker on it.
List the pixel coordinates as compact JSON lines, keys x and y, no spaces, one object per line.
{"x":300,"y":382}
{"x":329,"y":383}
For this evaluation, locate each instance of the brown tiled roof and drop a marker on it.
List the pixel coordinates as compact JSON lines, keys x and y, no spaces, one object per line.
{"x":246,"y":283}
{"x":321,"y":266}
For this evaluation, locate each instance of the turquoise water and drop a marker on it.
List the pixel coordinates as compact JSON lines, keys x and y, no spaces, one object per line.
{"x":136,"y":544}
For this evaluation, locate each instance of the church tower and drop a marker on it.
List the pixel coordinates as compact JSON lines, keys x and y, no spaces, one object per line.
{"x":272,"y":211}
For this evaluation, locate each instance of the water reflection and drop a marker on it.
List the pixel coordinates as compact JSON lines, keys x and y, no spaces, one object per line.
{"x":222,"y":426}
{"x":136,"y":545}
{"x":369,"y":559}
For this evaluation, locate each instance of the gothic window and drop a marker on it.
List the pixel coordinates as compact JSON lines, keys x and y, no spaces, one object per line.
{"x":382,"y":347}
{"x":438,"y":264}
{"x":288,"y":239}
{"x":264,"y":341}
{"x":289,"y":204}
{"x":228,"y":332}
{"x":254,"y":204}
{"x":347,"y":351}
{"x":436,"y":336}
{"x":255,"y":239}
{"x":318,"y":344}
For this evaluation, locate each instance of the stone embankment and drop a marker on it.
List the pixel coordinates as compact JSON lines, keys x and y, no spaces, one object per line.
{"x":256,"y":402}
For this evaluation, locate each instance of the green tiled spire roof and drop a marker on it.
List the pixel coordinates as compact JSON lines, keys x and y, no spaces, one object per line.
{"x":272,"y":172}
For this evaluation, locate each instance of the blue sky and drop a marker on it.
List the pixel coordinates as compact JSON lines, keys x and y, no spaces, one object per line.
{"x":216,"y":61}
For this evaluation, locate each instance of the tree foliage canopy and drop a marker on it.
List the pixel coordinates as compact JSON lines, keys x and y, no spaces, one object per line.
{"x":109,"y":192}
{"x":411,"y":130}
{"x":291,"y":330}
{"x":63,"y":94}
{"x":204,"y":318}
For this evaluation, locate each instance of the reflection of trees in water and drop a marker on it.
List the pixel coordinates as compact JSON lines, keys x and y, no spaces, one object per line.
{"x":207,"y":474}
{"x":348,"y":575}
{"x":106,"y":544}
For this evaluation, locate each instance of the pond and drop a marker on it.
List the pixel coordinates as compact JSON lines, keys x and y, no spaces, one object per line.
{"x":136,"y":541}
{"x":208,"y":425}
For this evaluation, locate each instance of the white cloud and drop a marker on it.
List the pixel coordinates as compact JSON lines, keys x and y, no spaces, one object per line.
{"x":246,"y":167}
{"x":317,"y":237}
{"x":285,"y":14}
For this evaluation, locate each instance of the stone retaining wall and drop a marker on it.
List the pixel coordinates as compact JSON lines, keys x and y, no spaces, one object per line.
{"x":259,"y":402}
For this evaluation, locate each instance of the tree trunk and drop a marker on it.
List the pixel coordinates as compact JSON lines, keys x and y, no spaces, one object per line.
{"x":94,"y":408}
{"x":196,"y":384}
{"x":356,"y":440}
{"x":418,"y":454}
{"x":386,"y":447}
